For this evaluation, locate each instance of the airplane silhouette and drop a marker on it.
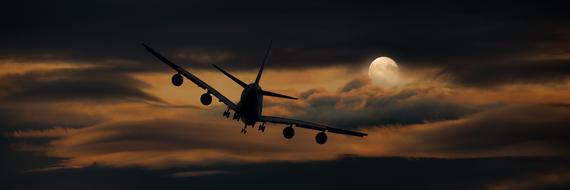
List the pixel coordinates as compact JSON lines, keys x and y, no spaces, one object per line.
{"x":250,"y":105}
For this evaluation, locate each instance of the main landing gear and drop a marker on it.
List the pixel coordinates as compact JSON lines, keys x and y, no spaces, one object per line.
{"x":236,"y":116}
{"x":261,"y":127}
{"x":227,"y":113}
{"x":244,"y":130}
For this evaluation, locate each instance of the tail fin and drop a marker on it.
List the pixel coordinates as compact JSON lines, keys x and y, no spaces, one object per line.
{"x":263,"y":63}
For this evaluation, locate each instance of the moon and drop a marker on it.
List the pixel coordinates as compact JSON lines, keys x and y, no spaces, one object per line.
{"x":384,"y":71}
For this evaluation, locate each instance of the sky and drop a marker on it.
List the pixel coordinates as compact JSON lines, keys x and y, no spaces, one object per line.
{"x":483,"y":99}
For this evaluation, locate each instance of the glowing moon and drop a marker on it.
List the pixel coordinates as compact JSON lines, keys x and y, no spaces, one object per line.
{"x":384,"y":71}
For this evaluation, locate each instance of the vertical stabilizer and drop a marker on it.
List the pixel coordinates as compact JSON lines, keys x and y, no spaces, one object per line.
{"x":263,"y":63}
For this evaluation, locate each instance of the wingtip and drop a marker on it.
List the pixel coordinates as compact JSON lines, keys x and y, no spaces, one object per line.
{"x":144,"y":45}
{"x":215,"y":66}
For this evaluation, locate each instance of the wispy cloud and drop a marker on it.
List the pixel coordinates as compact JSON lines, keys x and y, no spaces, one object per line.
{"x":434,"y":118}
{"x":198,"y":173}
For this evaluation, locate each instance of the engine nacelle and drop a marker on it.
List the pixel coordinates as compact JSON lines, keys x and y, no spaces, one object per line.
{"x":288,"y":132}
{"x":177,"y":79}
{"x":321,"y":138}
{"x":206,"y":99}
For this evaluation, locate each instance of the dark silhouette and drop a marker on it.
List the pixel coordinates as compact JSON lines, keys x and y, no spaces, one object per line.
{"x":249,"y":108}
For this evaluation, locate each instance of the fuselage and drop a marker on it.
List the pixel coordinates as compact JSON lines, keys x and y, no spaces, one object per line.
{"x":250,"y":105}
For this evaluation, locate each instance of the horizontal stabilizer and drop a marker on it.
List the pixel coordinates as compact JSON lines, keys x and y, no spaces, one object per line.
{"x":267,"y":93}
{"x":241,"y":83}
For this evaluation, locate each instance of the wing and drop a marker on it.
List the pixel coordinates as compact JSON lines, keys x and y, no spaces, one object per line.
{"x":310,"y":125}
{"x":192,"y":78}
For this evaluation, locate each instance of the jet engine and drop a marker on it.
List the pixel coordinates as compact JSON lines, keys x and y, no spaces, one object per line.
{"x":206,"y":99}
{"x":177,"y":79}
{"x":321,"y":138}
{"x":288,"y":132}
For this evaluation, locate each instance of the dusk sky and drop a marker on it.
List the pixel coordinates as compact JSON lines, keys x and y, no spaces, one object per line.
{"x":481,"y":101}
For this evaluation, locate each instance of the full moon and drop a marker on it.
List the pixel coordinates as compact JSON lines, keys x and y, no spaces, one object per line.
{"x":384,"y":71}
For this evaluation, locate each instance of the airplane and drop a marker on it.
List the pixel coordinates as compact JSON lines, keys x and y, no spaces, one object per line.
{"x":250,"y":106}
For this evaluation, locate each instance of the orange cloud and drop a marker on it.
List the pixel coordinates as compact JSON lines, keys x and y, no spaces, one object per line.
{"x":431,"y":119}
{"x":163,"y":143}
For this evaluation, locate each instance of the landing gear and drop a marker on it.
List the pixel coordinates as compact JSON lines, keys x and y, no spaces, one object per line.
{"x":227,"y":113}
{"x":244,"y":130}
{"x":261,"y":127}
{"x":236,"y":116}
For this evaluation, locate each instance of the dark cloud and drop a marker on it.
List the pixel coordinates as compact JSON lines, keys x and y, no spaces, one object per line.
{"x":483,"y":75}
{"x":482,"y":43}
{"x":152,"y":135}
{"x":307,"y":34}
{"x":346,"y":173}
{"x":89,"y":84}
{"x":520,"y":130}
{"x":47,"y":99}
{"x":390,"y":110}
{"x":524,"y":127}
{"x":34,"y":115}
{"x":354,"y":84}
{"x":158,"y":143}
{"x":306,"y":94}
{"x":15,"y":163}
{"x":355,"y":106}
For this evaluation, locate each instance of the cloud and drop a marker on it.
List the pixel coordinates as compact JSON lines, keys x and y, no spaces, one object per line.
{"x":198,"y":173}
{"x":355,"y":172}
{"x":82,"y":84}
{"x":72,"y":99}
{"x":204,"y":57}
{"x":38,"y":115}
{"x":360,"y":104}
{"x":538,"y":72}
{"x":478,"y":37}
{"x":45,"y":133}
{"x":432,"y":119}
{"x":525,"y":130}
{"x":165,"y":143}
{"x":534,"y":181}
{"x":522,"y":130}
{"x":353,"y":84}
